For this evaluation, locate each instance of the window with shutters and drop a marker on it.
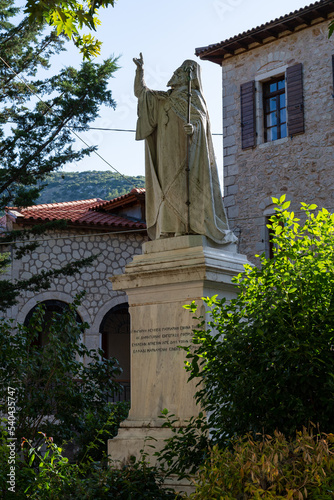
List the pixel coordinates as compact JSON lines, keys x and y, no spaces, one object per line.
{"x":274,"y":109}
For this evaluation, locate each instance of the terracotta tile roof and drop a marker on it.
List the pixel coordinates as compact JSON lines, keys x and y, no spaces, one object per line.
{"x":109,"y":220}
{"x":134,"y":196}
{"x":79,"y":213}
{"x":69,"y":210}
{"x":269,"y":31}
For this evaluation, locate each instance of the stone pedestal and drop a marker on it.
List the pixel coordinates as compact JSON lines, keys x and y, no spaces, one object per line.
{"x":171,"y":272}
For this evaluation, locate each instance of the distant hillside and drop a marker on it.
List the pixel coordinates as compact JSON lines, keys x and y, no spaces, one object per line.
{"x":72,"y":186}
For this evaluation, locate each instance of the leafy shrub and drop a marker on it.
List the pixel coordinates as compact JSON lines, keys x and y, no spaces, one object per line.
{"x":187,"y":448}
{"x":54,"y":475}
{"x":56,"y":478}
{"x":104,"y":425}
{"x":137,"y":481}
{"x":267,"y":360}
{"x":270,"y":468}
{"x":24,"y":475}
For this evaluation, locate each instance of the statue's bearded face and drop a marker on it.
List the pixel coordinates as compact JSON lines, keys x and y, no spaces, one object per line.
{"x":178,"y":79}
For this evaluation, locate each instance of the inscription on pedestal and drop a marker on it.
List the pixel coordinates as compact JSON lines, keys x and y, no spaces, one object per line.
{"x":164,"y":339}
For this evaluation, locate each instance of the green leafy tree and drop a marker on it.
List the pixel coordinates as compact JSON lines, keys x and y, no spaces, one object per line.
{"x":267,"y":360}
{"x":70,"y":18}
{"x":40,"y":139}
{"x":36,"y":117}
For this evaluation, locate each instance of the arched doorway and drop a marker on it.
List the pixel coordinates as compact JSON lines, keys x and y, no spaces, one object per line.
{"x":51,"y":308}
{"x":115,"y":330}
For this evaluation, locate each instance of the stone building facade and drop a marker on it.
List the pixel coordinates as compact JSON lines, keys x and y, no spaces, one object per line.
{"x":113,"y":231}
{"x":278,"y":119}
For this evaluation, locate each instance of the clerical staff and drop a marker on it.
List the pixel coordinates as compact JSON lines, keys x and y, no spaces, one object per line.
{"x":189,"y":69}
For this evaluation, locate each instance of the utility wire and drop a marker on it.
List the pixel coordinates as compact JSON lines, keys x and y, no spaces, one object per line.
{"x":71,"y":128}
{"x":75,"y":127}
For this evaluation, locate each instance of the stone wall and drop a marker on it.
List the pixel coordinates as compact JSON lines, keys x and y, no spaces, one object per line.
{"x":302,"y":167}
{"x":113,"y":252}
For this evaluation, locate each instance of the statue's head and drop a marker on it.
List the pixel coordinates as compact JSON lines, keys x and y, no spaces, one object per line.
{"x":180,"y":76}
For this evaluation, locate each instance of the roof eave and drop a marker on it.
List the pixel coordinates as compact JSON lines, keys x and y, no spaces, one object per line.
{"x":83,"y":225}
{"x":128,"y":200}
{"x":284,"y":26}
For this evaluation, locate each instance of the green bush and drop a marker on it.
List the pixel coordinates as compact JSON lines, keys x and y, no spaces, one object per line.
{"x":24,"y":475}
{"x":134,"y":481}
{"x":271,"y":468}
{"x":46,"y":474}
{"x":104,"y":425}
{"x":267,"y":360}
{"x":56,"y":478}
{"x":187,"y":448}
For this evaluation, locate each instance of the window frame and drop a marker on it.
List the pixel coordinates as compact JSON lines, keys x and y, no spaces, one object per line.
{"x":261,"y":77}
{"x":267,"y":96}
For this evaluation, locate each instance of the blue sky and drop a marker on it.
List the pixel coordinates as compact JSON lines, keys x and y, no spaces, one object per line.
{"x":166,"y":33}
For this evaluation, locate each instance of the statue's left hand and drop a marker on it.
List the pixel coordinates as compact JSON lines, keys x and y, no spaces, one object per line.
{"x":188,"y":128}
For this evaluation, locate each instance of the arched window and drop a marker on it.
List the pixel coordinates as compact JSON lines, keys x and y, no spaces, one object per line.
{"x":51,"y":307}
{"x":115,"y":330}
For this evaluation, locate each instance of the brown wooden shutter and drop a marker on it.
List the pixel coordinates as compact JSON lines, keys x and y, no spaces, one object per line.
{"x":295,"y":99}
{"x":248,"y":122}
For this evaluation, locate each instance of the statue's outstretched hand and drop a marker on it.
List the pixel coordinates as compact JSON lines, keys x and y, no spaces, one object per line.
{"x":139,"y":62}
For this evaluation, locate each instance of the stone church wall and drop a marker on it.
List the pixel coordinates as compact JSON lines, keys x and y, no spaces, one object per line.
{"x":113,"y":252}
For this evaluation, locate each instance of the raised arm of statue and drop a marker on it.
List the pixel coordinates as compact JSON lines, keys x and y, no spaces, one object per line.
{"x":139,"y":78}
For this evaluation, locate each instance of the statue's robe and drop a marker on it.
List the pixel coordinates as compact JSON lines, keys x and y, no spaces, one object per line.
{"x":161,"y":119}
